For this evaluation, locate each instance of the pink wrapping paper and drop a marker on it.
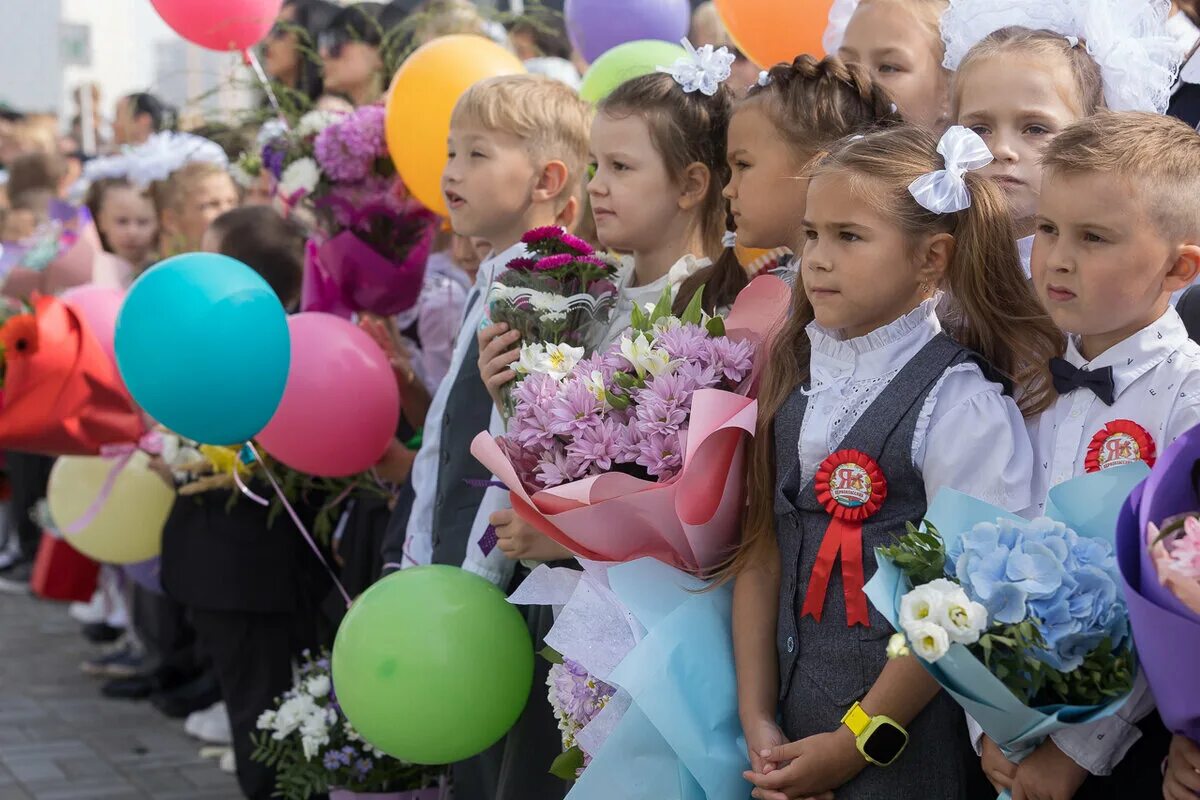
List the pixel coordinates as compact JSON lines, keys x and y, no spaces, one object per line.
{"x":690,"y":522}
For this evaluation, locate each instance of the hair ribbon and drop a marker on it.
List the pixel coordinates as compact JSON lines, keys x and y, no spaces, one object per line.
{"x":945,"y":190}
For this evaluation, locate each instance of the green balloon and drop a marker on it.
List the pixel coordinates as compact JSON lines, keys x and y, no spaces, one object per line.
{"x":432,"y":665}
{"x":625,"y":61}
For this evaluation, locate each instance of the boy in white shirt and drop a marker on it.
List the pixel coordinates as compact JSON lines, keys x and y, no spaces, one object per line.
{"x":1117,"y":231}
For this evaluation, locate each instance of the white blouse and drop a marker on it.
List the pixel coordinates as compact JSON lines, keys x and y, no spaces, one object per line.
{"x":970,"y":436}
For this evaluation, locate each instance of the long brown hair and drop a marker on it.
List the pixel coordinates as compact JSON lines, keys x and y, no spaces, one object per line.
{"x":689,"y":128}
{"x":994,"y":310}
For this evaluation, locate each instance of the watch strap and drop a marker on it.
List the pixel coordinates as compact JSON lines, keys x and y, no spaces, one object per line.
{"x":857,"y":720}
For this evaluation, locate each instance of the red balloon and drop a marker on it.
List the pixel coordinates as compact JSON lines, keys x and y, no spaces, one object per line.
{"x":341,"y":405}
{"x":220,"y":24}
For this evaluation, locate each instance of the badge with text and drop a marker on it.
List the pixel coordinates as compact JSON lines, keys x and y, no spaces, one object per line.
{"x":851,"y":487}
{"x":1118,"y":443}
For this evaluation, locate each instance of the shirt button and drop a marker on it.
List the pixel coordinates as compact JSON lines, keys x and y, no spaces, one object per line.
{"x":791,"y":643}
{"x":445,"y":456}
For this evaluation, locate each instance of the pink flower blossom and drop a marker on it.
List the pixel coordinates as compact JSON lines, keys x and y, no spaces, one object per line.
{"x":548,"y":263}
{"x":580,"y":247}
{"x":542,"y":234}
{"x":661,"y":455}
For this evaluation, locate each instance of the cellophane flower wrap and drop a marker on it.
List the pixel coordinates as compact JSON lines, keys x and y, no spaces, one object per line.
{"x":634,"y":461}
{"x":560,"y":297}
{"x":373,"y":238}
{"x":1022,"y":622}
{"x":314,"y":749}
{"x":1158,"y":552}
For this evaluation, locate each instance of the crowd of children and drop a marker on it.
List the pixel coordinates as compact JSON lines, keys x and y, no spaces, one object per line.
{"x":992,"y":219}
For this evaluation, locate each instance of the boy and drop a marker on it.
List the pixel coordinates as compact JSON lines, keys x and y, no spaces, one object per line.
{"x":517,"y":150}
{"x":1118,"y":230}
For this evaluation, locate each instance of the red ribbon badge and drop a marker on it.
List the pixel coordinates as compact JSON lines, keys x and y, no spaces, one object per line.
{"x":1120,"y":442}
{"x":851,"y":486}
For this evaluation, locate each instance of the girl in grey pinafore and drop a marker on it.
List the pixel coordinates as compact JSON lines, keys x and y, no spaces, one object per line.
{"x":824,"y":667}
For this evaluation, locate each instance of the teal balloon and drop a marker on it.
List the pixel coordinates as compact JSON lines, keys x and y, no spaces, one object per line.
{"x":626,"y":61}
{"x":202,"y":344}
{"x":432,"y":665}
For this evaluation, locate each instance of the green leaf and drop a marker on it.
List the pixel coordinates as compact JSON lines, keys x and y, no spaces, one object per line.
{"x":662,"y":308}
{"x":695,"y":309}
{"x":716,"y":326}
{"x":551,"y":655}
{"x":619,"y":402}
{"x":637,"y":318}
{"x":567,"y":765}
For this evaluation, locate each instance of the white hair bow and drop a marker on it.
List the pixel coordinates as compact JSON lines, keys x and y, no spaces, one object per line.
{"x":701,"y":70}
{"x":945,"y":191}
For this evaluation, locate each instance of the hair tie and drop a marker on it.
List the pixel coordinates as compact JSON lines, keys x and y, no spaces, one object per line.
{"x":701,"y":70}
{"x":1073,"y":41}
{"x":764,"y":78}
{"x":729,"y":239}
{"x":945,"y":190}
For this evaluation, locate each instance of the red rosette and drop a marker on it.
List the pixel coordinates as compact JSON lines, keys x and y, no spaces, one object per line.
{"x":1120,"y":442}
{"x":851,"y":487}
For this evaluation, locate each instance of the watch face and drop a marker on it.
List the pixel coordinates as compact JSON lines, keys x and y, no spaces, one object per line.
{"x":885,"y":743}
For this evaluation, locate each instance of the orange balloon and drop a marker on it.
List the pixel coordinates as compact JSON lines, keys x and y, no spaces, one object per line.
{"x":421,"y":99}
{"x":771,"y":31}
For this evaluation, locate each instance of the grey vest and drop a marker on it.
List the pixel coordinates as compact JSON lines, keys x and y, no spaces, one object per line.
{"x":825,"y":666}
{"x":468,"y":411}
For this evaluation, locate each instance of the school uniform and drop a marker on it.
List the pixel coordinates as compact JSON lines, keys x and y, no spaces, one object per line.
{"x":1127,"y":404}
{"x":915,"y":407}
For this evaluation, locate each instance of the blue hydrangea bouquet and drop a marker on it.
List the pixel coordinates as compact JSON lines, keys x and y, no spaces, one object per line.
{"x":1022,"y":622}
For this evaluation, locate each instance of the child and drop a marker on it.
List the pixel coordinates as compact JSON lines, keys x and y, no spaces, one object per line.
{"x":195,"y":195}
{"x":900,"y":43}
{"x":863,"y":370}
{"x":794,"y":112}
{"x":1026,"y":70}
{"x":1117,"y":233}
{"x":517,"y":149}
{"x":259,"y":237}
{"x":127,"y":221}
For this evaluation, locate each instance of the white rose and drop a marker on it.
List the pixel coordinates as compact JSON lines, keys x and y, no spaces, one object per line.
{"x":318,"y":686}
{"x":928,"y":640}
{"x":301,"y":177}
{"x":962,"y":619}
{"x":920,"y":605}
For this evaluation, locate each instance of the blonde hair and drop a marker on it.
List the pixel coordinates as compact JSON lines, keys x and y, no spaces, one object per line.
{"x":995,"y":312}
{"x":1159,"y":156}
{"x":169,"y":193}
{"x":547,"y":115}
{"x":446,"y":17}
{"x":1016,"y":40}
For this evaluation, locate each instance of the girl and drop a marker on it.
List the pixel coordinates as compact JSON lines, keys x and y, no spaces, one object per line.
{"x":289,"y":52}
{"x":188,"y":202}
{"x":899,"y":42}
{"x":351,"y":51}
{"x":863,"y":370}
{"x":1018,"y":84}
{"x":127,"y":221}
{"x":795,"y":111}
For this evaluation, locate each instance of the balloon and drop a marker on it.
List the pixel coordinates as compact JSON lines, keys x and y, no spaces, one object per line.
{"x":128,"y":525}
{"x":99,"y":306}
{"x":202,"y":344}
{"x":422,"y":98}
{"x":625,"y":61}
{"x":771,"y":31}
{"x":432,"y":665}
{"x":220,"y":24}
{"x":597,"y":26}
{"x":341,"y":405}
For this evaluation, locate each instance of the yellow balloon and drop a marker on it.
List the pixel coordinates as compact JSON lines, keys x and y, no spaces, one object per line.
{"x":422,"y":98}
{"x":128,"y":526}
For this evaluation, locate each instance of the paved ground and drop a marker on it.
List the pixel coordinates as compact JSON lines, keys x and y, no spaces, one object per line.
{"x":60,"y":740}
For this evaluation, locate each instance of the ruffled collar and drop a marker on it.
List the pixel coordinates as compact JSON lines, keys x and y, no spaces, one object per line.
{"x":879,"y":352}
{"x":1025,"y":250}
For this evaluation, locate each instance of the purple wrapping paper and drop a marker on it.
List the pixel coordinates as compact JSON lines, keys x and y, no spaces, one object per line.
{"x":318,"y":291}
{"x":1166,"y":633}
{"x":348,"y":274}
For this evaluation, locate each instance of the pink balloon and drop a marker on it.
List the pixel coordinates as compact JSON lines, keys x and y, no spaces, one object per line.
{"x":341,"y":404}
{"x":220,"y":24}
{"x":99,"y":305}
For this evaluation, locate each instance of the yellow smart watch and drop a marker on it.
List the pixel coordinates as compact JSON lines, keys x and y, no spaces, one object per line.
{"x":880,"y":739}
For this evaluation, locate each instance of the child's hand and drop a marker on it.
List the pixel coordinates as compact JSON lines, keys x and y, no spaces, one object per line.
{"x":520,"y":541}
{"x":383,"y":331}
{"x":1182,"y":780}
{"x":763,"y":735}
{"x":495,"y":358}
{"x":998,"y":769}
{"x":811,"y":767}
{"x":396,"y":464}
{"x":1047,"y":774}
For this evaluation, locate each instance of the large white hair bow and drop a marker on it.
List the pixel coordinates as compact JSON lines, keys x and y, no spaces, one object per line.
{"x":839,"y":19}
{"x":945,"y":191}
{"x":156,"y":159}
{"x":1129,"y":40}
{"x":701,"y":70}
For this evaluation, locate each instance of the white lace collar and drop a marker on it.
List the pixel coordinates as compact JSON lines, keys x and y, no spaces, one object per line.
{"x":1025,"y":250}
{"x":879,"y":352}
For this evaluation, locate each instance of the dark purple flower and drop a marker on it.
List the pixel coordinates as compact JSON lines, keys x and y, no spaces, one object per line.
{"x":523,"y":264}
{"x":580,"y":247}
{"x":273,"y":155}
{"x":554,"y":262}
{"x":542,"y":234}
{"x":602,"y":288}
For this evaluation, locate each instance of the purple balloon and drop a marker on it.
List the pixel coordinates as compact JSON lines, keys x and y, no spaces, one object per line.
{"x":147,"y":574}
{"x":597,"y":26}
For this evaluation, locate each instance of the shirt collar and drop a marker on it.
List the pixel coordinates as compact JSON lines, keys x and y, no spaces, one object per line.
{"x":1025,"y":250}
{"x":495,"y":264}
{"x":878,"y":352}
{"x":1135,"y":356}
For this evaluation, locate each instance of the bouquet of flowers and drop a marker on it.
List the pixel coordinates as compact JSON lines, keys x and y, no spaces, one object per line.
{"x":374,"y":239}
{"x":1021,"y":622}
{"x":314,"y":749}
{"x":1158,"y":553}
{"x":576,"y":698}
{"x":60,"y":252}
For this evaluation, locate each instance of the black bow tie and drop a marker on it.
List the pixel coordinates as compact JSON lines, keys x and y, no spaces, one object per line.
{"x":1068,"y":378}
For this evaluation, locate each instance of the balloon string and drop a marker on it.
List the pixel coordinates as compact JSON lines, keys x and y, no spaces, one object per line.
{"x":252,"y":59}
{"x":299,"y":525}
